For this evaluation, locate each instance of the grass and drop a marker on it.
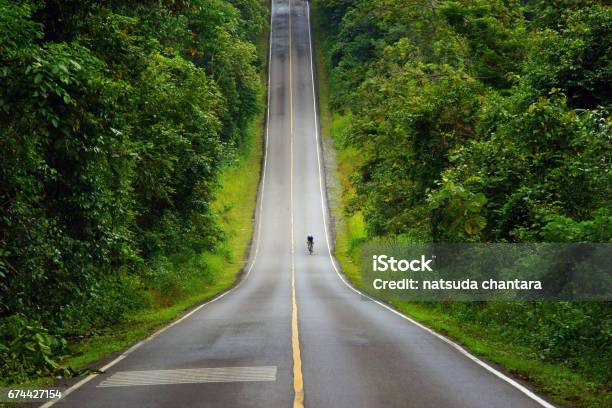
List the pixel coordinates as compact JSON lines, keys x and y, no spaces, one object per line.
{"x":348,"y":228}
{"x":558,"y":382}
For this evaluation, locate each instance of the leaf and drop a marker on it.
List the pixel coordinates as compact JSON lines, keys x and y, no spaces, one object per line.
{"x":475,"y":224}
{"x":480,"y":199}
{"x":52,"y":363}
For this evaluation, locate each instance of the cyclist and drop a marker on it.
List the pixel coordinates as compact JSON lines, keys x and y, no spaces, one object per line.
{"x":310,"y":243}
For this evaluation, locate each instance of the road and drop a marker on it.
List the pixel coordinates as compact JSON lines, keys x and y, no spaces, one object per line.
{"x":293,"y":333}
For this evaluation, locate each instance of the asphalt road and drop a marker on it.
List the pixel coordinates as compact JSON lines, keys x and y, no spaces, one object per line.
{"x":293,"y":332}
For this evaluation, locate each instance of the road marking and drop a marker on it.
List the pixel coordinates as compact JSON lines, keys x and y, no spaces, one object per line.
{"x":298,"y":381}
{"x":456,"y":346}
{"x":189,"y":376}
{"x":123,"y":355}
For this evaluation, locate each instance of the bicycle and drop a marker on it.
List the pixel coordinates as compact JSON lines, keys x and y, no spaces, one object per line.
{"x":310,"y":244}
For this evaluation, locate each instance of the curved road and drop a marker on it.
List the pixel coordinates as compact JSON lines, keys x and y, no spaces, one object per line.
{"x":292,"y":332}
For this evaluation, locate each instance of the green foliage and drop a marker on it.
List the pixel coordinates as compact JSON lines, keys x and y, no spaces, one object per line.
{"x":178,"y":152}
{"x":419,"y":115}
{"x":542,"y":161}
{"x":26,"y":347}
{"x":228,"y":58}
{"x":115,"y":120}
{"x":576,"y":59}
{"x":494,"y":33}
{"x":553,"y":14}
{"x":560,"y":228}
{"x":459,"y":212}
{"x":482,"y":121}
{"x":462,"y":103}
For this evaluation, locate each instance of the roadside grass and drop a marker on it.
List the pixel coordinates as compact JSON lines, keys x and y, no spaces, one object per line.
{"x":559,"y":382}
{"x":348,"y":229}
{"x":235,"y":207}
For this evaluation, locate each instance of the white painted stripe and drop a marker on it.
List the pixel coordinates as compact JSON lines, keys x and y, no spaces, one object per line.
{"x":456,"y":346}
{"x":221,"y":295}
{"x":190,"y":376}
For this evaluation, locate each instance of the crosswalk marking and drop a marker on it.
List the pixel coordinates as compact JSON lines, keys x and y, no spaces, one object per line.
{"x":190,"y":376}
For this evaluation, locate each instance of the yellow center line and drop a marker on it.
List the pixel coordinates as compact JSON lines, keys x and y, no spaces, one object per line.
{"x":298,"y":382}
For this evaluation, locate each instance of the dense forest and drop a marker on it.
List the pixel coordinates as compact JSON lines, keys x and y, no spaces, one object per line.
{"x":481,"y":121}
{"x":116,"y":118}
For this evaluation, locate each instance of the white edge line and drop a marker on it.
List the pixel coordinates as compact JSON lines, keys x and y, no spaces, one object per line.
{"x":456,"y":346}
{"x":123,"y":355}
